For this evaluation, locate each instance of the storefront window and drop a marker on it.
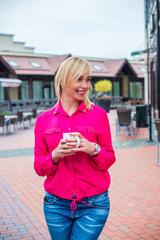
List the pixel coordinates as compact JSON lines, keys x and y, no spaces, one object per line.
{"x":25,"y":90}
{"x":52,"y":89}
{"x":1,"y":93}
{"x":116,"y":89}
{"x":136,"y":90}
{"x":109,"y":93}
{"x":37,"y":89}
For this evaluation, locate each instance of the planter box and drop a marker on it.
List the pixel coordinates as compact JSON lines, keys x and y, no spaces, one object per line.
{"x":105,"y":104}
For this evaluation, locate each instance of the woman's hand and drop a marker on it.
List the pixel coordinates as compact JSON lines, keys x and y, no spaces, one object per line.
{"x":64,"y":149}
{"x":68,"y":147}
{"x":85,"y":145}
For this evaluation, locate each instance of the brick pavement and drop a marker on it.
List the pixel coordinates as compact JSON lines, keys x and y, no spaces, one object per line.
{"x":134,"y":190}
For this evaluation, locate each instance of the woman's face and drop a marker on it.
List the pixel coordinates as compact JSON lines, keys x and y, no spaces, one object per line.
{"x":78,"y":89}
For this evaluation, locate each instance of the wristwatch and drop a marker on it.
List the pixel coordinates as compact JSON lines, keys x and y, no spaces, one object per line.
{"x":97,"y":150}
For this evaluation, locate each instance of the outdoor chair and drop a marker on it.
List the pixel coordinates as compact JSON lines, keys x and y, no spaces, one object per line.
{"x":13,"y":119}
{"x":22,"y":119}
{"x":4,"y":124}
{"x":34,"y":114}
{"x":27,"y":117}
{"x":157,"y":135}
{"x":124,"y":119}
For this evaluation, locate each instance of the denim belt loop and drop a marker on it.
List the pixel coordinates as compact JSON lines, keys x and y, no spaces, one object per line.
{"x":89,"y":199}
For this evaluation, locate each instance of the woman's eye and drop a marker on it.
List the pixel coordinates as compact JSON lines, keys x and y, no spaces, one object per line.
{"x":80,"y":78}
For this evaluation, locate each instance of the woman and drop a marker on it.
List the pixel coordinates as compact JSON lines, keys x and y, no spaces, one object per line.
{"x":76,"y":202}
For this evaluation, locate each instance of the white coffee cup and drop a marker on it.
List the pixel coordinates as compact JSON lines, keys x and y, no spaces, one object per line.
{"x":67,"y":136}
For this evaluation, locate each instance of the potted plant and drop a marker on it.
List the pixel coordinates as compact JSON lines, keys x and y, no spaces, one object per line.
{"x":103,"y":86}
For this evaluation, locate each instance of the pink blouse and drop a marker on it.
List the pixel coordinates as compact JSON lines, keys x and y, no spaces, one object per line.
{"x":85,"y":174}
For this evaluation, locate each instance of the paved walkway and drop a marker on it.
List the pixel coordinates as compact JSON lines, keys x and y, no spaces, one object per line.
{"x":134,"y":190}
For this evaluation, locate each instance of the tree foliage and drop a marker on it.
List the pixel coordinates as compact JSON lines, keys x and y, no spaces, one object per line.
{"x":103,"y":86}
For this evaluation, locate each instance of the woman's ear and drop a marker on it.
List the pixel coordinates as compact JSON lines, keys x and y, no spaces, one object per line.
{"x":60,"y":88}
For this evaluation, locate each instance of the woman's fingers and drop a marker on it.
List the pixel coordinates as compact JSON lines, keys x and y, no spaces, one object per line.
{"x":71,"y":145}
{"x":76,"y":134}
{"x":68,"y":145}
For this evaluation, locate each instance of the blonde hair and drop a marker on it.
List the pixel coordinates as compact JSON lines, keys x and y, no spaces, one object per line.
{"x":69,"y":71}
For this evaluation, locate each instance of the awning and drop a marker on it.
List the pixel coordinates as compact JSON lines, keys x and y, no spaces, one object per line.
{"x":10,"y":82}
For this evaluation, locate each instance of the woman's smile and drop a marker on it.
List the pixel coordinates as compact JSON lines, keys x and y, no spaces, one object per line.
{"x":78,"y":89}
{"x":81,"y":92}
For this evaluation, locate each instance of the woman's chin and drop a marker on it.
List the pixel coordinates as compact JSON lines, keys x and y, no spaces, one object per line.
{"x":80,"y":98}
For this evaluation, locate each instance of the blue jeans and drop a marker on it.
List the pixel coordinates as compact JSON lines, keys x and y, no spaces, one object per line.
{"x":84,"y":223}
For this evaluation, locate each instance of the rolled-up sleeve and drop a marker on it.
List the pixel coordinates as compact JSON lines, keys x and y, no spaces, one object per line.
{"x":43,"y":163}
{"x":106,"y":157}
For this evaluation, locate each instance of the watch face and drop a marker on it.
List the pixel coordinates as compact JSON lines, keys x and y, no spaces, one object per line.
{"x":97,"y":147}
{"x":97,"y":150}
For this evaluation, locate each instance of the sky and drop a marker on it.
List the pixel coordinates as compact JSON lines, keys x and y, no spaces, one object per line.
{"x":91,"y":28}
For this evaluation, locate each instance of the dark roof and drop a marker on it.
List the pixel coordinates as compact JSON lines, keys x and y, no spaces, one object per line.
{"x":55,"y":61}
{"x":99,"y":69}
{"x":112,"y":68}
{"x":48,"y":65}
{"x":140,"y":69}
{"x":23,"y":65}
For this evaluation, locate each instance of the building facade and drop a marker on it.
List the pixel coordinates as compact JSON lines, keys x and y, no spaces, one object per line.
{"x":152,"y":11}
{"x":37,"y":72}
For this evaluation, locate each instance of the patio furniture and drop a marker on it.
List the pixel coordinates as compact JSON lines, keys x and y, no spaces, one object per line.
{"x":13,"y":120}
{"x":4,"y":123}
{"x":105,"y":104}
{"x":34,"y":114}
{"x":124,"y":119}
{"x":157,"y":134}
{"x":20,"y":119}
{"x":40,"y":110}
{"x":27,"y":117}
{"x":23,"y":118}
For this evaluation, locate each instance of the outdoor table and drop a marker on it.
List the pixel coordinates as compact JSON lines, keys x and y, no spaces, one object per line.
{"x":11,"y":119}
{"x":27,"y":116}
{"x":40,"y":111}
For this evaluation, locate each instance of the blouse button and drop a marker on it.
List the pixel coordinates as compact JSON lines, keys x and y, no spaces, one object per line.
{"x":69,"y":128}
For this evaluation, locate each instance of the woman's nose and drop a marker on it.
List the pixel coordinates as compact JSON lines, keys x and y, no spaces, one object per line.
{"x":84,"y":84}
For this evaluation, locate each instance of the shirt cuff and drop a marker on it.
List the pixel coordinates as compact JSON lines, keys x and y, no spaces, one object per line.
{"x":100,"y":159}
{"x":51,"y":167}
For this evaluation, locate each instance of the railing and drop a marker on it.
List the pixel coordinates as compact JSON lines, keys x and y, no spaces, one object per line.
{"x":29,"y":103}
{"x":115,"y":101}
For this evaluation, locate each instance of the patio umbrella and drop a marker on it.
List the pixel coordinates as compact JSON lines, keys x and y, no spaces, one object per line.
{"x":10,"y":82}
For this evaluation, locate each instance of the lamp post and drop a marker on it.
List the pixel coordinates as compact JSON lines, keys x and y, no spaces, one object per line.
{"x":148,"y":102}
{"x":158,"y":57}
